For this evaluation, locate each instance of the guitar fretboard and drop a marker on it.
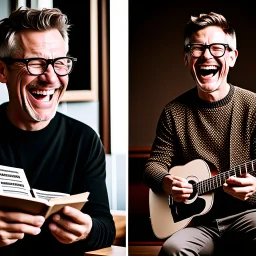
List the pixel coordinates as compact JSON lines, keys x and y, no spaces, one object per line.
{"x":218,"y":180}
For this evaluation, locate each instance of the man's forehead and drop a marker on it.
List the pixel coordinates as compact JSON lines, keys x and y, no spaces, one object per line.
{"x":36,"y":41}
{"x":210,"y":33}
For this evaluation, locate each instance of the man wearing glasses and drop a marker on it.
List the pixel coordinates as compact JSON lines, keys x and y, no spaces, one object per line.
{"x":214,"y":121}
{"x":57,"y":153}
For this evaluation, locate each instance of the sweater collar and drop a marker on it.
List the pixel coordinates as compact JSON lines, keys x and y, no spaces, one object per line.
{"x":219,"y":103}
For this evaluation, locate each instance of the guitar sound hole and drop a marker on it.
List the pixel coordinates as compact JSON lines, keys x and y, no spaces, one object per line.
{"x":194,"y":193}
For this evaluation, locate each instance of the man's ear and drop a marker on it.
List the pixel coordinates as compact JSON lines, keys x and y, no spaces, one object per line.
{"x":3,"y":78}
{"x":185,"y":56}
{"x":233,"y":56}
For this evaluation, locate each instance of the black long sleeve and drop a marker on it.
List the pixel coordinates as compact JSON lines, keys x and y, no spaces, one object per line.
{"x":66,"y":156}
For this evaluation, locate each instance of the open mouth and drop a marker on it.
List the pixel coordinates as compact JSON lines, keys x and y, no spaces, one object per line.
{"x":42,"y":95}
{"x":207,"y":71}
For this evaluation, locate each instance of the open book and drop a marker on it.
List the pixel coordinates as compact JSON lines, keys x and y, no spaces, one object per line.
{"x":16,"y":195}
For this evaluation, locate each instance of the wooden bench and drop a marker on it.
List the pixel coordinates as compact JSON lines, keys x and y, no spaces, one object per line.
{"x":118,"y":248}
{"x":108,"y":251}
{"x":146,"y":250}
{"x":120,"y":224}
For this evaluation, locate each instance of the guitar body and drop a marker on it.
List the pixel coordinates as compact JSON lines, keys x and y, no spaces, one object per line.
{"x":165,"y":219}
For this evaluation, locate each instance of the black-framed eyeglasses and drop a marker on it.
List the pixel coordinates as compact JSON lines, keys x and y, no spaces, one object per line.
{"x":62,"y":66}
{"x":217,"y":49}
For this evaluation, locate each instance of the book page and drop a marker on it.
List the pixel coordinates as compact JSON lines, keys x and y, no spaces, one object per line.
{"x":47,"y":195}
{"x":77,"y":201}
{"x":13,"y":181}
{"x":77,"y":198}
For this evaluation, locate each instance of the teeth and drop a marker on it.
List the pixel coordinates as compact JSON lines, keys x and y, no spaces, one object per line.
{"x":43,"y":92}
{"x":208,"y":67}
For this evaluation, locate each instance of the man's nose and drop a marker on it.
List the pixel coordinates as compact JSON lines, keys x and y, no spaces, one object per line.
{"x":207,"y":53}
{"x":49,"y":75}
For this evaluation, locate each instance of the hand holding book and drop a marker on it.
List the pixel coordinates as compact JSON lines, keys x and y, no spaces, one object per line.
{"x":16,"y":195}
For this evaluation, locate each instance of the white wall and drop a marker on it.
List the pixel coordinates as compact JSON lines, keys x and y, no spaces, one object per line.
{"x":119,"y":98}
{"x":4,"y":8}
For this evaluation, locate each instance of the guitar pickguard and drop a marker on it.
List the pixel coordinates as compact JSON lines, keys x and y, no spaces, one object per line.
{"x":182,"y":211}
{"x":169,"y":217}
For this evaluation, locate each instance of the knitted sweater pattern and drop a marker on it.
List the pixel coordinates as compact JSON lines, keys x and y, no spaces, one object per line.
{"x":221,"y":133}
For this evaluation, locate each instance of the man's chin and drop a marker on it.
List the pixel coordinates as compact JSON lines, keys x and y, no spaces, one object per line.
{"x":207,"y":88}
{"x":40,"y":117}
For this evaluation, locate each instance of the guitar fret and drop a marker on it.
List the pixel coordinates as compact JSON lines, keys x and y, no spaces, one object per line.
{"x":252,"y":166}
{"x":236,"y":171}
{"x":218,"y":180}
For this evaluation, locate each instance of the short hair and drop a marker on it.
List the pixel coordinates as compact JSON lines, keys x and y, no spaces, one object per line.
{"x":197,"y":23}
{"x":28,"y":18}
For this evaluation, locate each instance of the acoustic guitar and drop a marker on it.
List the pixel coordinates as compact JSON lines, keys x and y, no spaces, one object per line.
{"x":168,"y":216}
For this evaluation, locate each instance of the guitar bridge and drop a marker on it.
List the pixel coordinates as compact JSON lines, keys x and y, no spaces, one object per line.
{"x":173,"y":207}
{"x":170,"y":200}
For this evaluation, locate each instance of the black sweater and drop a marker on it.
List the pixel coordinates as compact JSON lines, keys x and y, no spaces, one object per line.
{"x":66,"y":156}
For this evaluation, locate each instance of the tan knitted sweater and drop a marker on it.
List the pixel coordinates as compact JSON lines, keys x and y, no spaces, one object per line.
{"x":221,"y":133}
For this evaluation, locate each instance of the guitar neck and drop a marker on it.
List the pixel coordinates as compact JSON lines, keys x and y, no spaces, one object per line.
{"x":218,"y":180}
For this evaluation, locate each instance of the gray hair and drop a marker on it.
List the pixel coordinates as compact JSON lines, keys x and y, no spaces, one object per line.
{"x":197,"y":23}
{"x":27,"y":18}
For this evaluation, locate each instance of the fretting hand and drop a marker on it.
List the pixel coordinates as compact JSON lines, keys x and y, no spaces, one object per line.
{"x":240,"y":187}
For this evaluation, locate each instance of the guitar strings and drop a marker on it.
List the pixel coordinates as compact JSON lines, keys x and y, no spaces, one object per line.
{"x":218,"y":180}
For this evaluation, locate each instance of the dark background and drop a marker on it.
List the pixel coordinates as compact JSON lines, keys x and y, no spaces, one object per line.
{"x":78,"y":13}
{"x":157,"y":75}
{"x":156,"y":69}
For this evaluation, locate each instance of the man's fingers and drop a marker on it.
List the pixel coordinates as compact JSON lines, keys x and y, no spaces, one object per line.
{"x":18,"y":217}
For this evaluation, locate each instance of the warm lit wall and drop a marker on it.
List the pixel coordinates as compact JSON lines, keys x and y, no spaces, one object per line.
{"x":157,"y":75}
{"x":156,"y":70}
